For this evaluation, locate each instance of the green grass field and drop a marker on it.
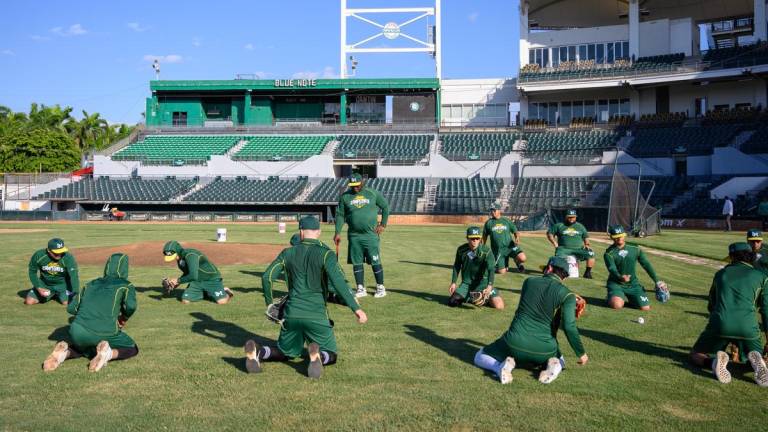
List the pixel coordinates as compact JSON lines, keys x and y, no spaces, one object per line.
{"x":409,"y":368}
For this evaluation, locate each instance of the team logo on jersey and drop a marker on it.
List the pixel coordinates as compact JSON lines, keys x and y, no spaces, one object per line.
{"x":499,"y":228}
{"x":570,"y":232}
{"x":623,"y":253}
{"x":53,"y":268}
{"x":359,"y":201}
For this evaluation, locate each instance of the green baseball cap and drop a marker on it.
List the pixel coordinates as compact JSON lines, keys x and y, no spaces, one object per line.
{"x":355,"y":180}
{"x":295,"y":239}
{"x":171,"y":250}
{"x":739,"y":247}
{"x":617,"y":231}
{"x":495,"y":206}
{"x":558,"y":262}
{"x":754,"y":234}
{"x":309,"y":223}
{"x":56,"y":245}
{"x":474,"y":232}
{"x":570,"y":213}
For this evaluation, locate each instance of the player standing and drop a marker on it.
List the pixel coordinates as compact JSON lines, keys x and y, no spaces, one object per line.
{"x":359,"y":208}
{"x":572,"y":239}
{"x":501,"y":231}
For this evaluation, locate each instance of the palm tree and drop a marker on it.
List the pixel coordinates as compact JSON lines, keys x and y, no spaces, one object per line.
{"x":87,"y":131}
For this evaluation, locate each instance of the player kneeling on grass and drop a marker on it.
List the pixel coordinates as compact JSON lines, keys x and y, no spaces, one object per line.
{"x":503,"y":244}
{"x":475,"y":262}
{"x":572,"y":239}
{"x":311,"y":268}
{"x":623,"y":286}
{"x":53,"y":272}
{"x":199,"y":272}
{"x":101,"y":309}
{"x":738,"y":290}
{"x":545,"y":305}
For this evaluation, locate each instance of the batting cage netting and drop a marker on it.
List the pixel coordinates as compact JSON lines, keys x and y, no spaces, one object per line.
{"x":629,"y":207}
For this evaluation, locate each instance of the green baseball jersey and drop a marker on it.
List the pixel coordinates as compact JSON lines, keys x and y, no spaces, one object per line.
{"x":500,"y":231}
{"x":737,"y":291}
{"x":46,"y":272}
{"x":360,"y":211}
{"x":623,"y":261}
{"x":97,"y":306}
{"x":196,"y":267}
{"x":761,"y":260}
{"x":546,"y":305}
{"x":475,"y":266}
{"x":309,"y":269}
{"x":569,"y":236}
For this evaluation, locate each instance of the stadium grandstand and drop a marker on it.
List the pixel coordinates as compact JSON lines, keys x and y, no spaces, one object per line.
{"x":669,"y":95}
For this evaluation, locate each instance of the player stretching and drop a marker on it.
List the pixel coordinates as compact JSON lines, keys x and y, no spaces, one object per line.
{"x":572,"y":239}
{"x":501,"y":230}
{"x":623,"y":286}
{"x":737,"y":291}
{"x":53,"y":272}
{"x":199,"y":272}
{"x":359,"y":208}
{"x":475,"y":262}
{"x":101,"y":309}
{"x":310,"y":268}
{"x":545,"y":305}
{"x":755,"y":240}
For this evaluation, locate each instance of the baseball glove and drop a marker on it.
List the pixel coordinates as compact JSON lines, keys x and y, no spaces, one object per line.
{"x":275,"y":311}
{"x":479,"y":298}
{"x":168,"y":286}
{"x":662,"y":292}
{"x":581,"y":306}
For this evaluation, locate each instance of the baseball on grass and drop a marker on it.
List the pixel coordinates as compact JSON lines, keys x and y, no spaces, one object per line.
{"x":641,"y":320}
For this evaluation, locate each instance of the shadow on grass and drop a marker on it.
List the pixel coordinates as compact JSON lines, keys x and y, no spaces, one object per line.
{"x":690,"y":296}
{"x":225,"y":332}
{"x":462,"y":349}
{"x":23,"y":293}
{"x":701,"y":314}
{"x":257,"y":274}
{"x":445,"y":266}
{"x":245,"y":290}
{"x":438,"y":298}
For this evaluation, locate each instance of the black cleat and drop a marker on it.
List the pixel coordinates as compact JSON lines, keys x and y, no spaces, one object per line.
{"x":588,"y":274}
{"x":252,"y":363}
{"x":520,"y":268}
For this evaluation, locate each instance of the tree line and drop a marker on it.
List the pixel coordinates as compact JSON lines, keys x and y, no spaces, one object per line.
{"x":50,"y":139}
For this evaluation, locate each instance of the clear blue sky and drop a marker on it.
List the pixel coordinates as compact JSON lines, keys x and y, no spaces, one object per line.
{"x":97,"y":55}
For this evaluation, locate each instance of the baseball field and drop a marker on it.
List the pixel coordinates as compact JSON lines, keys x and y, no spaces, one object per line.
{"x":409,"y":368}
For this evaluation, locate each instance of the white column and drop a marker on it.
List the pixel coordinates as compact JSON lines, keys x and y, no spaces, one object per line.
{"x":634,"y":28}
{"x":438,"y":41}
{"x":523,"y":33}
{"x":760,"y":29}
{"x":343,"y":46}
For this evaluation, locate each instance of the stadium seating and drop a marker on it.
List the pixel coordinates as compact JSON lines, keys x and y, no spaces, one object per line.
{"x":120,"y":190}
{"x":588,"y":69}
{"x":758,"y":142}
{"x":177,"y":149}
{"x":662,"y":120}
{"x":242,"y":190}
{"x":280,"y":147}
{"x":697,"y":141}
{"x":401,"y":193}
{"x":740,"y":56}
{"x":477,"y":146}
{"x":328,"y":191}
{"x":531,"y":194}
{"x":555,"y":147}
{"x":392,"y":148}
{"x":467,"y":196}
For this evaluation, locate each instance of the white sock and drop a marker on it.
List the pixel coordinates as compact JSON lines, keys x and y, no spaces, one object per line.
{"x":267,"y":352}
{"x":714,"y":366}
{"x":325,"y":357}
{"x":484,"y":361}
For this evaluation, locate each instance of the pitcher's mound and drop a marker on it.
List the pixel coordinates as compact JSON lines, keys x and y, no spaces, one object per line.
{"x":151,"y":253}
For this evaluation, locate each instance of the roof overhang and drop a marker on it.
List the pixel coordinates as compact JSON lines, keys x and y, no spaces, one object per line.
{"x":596,"y":13}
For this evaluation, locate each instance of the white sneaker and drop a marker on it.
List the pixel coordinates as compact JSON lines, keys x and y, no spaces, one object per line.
{"x":361,"y":291}
{"x":554,"y":367}
{"x":57,"y":357}
{"x":505,"y":374}
{"x":758,"y":365}
{"x":315,"y":369}
{"x":103,"y":355}
{"x":720,"y":367}
{"x":380,"y":291}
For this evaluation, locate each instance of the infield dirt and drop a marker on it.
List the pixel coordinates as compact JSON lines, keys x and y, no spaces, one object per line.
{"x":151,"y":253}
